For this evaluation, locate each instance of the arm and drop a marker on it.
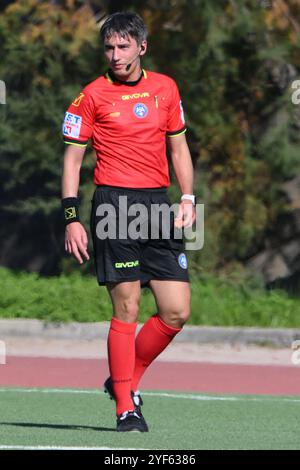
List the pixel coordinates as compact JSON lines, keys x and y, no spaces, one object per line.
{"x":76,"y":240}
{"x":71,"y":172}
{"x":183,"y":169}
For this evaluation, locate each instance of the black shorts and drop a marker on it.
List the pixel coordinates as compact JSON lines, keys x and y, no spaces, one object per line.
{"x":128,"y":258}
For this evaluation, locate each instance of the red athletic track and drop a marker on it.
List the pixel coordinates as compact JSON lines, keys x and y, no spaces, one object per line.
{"x":182,"y":377}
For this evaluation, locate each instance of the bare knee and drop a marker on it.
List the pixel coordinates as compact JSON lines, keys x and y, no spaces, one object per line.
{"x":127,"y":310}
{"x":125,"y":299}
{"x":176,"y":317}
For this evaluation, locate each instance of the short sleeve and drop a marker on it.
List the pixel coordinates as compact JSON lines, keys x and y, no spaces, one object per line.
{"x":79,"y":120}
{"x":176,"y":121}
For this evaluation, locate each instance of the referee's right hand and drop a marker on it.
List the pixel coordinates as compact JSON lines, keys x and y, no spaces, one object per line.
{"x":76,"y":241}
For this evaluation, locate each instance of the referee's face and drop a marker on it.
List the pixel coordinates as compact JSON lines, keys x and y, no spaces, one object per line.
{"x":123,"y":56}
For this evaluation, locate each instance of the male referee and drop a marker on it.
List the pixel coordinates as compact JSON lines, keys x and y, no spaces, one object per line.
{"x":130,"y":114}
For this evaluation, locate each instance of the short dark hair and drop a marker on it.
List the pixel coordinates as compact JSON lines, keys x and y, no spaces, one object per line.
{"x":125,"y":24}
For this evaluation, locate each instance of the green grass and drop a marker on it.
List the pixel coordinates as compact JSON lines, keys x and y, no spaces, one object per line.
{"x":180,"y":421}
{"x":219,"y":303}
{"x":215,"y":301}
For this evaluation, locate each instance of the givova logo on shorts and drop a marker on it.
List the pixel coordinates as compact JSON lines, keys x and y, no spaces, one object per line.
{"x":127,"y":264}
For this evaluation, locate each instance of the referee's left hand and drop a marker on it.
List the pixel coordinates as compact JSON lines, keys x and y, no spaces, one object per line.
{"x":186,"y":215}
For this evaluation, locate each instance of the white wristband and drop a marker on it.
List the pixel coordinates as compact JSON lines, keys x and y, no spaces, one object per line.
{"x":189,"y":197}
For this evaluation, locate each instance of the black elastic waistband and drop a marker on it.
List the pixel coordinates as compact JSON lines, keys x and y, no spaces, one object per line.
{"x":122,"y":188}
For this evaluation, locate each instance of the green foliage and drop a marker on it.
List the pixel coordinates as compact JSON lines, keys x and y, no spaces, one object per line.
{"x":227,"y":301}
{"x":220,"y":303}
{"x":49,"y":55}
{"x":228,"y":59}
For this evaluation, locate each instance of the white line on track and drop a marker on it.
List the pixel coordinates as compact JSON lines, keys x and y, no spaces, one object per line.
{"x":157,"y":394}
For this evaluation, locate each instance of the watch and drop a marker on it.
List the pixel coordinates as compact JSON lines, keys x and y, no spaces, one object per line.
{"x":189,"y":197}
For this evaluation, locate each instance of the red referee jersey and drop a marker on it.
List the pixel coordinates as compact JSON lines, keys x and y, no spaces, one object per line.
{"x":128,"y":125}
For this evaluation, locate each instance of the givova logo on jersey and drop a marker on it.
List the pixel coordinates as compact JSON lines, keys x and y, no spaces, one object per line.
{"x":72,"y":125}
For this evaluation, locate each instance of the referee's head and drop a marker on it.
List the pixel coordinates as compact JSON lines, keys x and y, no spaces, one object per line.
{"x":124,"y":24}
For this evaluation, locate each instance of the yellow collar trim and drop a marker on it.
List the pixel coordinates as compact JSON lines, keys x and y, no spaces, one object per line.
{"x":144,"y":73}
{"x":108,"y":78}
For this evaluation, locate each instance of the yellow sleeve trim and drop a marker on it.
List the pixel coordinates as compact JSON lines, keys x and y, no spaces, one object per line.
{"x":175,"y":135}
{"x":76,"y":145}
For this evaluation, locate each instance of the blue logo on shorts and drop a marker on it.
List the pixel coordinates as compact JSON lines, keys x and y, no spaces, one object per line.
{"x":140,"y":110}
{"x":182,"y":261}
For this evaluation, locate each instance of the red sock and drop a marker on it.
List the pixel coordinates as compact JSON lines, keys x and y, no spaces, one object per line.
{"x":152,"y":339}
{"x":121,"y":358}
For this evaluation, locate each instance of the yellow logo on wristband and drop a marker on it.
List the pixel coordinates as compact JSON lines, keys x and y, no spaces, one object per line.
{"x":70,"y":213}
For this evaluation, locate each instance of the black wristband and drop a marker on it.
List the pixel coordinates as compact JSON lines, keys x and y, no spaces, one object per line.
{"x":70,"y":206}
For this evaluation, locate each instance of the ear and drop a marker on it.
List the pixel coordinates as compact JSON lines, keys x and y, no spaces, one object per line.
{"x":143,"y":48}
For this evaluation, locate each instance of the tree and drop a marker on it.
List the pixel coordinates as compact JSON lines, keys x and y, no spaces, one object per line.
{"x":50,"y":52}
{"x":234,"y":61}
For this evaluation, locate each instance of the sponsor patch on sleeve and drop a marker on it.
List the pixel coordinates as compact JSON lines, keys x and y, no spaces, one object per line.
{"x":72,"y":125}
